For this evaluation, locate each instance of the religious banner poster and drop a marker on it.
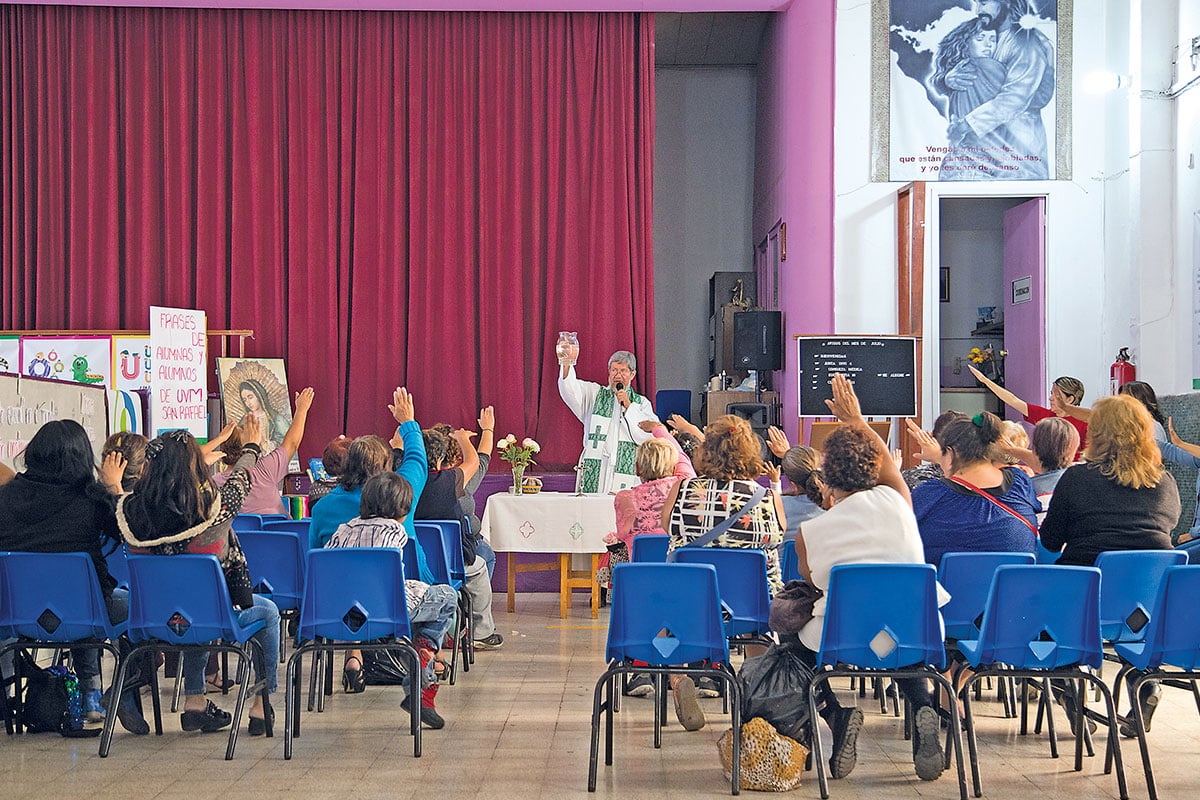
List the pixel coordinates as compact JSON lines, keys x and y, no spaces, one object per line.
{"x":258,"y":386}
{"x":10,"y":353}
{"x":131,"y":363}
{"x":76,"y":359}
{"x":971,"y":90}
{"x":179,"y":381}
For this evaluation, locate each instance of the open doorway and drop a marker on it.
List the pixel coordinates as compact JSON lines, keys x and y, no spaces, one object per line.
{"x":991,"y":310}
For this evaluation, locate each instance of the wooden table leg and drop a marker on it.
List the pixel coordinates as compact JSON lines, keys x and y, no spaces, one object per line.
{"x":564,"y":585}
{"x":595,"y":586}
{"x":512,"y":582}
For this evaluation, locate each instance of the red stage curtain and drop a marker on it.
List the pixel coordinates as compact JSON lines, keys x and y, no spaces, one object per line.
{"x":420,"y":199}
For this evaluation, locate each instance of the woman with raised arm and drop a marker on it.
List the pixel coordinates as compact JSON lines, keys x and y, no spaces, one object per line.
{"x":870,"y":521}
{"x":267,"y":474}
{"x":1066,"y":393}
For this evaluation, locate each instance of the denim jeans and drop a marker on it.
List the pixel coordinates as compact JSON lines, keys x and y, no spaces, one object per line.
{"x":485,"y":551}
{"x":431,"y":618}
{"x":268,"y":639}
{"x":87,"y":662}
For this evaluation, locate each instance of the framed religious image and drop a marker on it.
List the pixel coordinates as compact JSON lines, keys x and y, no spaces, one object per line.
{"x":944,"y":284}
{"x":257,"y":386}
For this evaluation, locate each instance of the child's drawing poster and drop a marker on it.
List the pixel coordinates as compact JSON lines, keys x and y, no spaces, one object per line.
{"x":75,"y":359}
{"x":131,"y":362}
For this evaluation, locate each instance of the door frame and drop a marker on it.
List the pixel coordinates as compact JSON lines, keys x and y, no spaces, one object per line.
{"x":918,"y":209}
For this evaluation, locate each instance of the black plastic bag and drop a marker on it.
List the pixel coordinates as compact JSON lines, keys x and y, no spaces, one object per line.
{"x":775,"y":687}
{"x":383,"y":668}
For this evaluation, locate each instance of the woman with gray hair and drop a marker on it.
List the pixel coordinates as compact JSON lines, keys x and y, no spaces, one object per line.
{"x":611,"y":416}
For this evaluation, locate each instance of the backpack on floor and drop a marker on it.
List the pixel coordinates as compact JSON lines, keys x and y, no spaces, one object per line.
{"x":53,"y":701}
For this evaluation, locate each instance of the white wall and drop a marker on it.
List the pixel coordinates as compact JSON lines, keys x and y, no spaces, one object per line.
{"x":703,"y":201}
{"x":1112,"y":278}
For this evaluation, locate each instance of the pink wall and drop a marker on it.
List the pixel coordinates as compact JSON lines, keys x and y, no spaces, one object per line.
{"x":448,"y":5}
{"x":793,"y":178}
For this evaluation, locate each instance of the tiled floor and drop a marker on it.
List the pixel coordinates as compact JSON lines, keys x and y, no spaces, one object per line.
{"x":517,"y":727}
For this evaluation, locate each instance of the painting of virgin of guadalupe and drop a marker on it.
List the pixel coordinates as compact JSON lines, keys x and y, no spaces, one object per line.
{"x":258,"y":387}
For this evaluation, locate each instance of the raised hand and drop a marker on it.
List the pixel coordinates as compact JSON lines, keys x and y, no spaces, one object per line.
{"x":778,"y":442}
{"x":844,"y":404}
{"x":402,"y":406}
{"x":487,"y":419}
{"x":771,"y":471}
{"x":929,"y":450}
{"x":112,"y":469}
{"x":250,"y":429}
{"x":304,"y":399}
{"x":648,"y":425}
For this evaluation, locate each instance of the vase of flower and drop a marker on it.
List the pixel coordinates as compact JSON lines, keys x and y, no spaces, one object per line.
{"x":520,"y":455}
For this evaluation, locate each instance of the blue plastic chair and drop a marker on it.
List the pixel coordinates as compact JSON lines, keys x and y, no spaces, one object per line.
{"x":650,"y":548}
{"x":276,"y":564}
{"x":742,"y":580}
{"x":881,"y":620}
{"x":1042,"y":622}
{"x":276,"y":517}
{"x":968,"y":578}
{"x":247,"y":522}
{"x":181,"y":603}
{"x":53,"y":600}
{"x":1129,"y":584}
{"x":296,"y":527}
{"x":445,"y":535}
{"x":117,"y":565}
{"x":673,"y":401}
{"x":789,"y":562}
{"x":1191,"y":549}
{"x":1169,"y":651}
{"x":666,"y":616}
{"x":353,"y":600}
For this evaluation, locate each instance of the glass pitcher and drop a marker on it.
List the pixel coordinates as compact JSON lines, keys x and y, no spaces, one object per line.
{"x":568,"y":346}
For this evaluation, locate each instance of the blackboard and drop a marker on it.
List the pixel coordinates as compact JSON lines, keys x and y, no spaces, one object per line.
{"x":882,"y":368}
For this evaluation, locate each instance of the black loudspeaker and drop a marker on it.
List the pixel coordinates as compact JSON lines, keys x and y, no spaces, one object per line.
{"x":758,"y":340}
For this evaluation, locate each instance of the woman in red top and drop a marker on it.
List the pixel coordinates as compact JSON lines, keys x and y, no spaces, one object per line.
{"x":1065,"y":393}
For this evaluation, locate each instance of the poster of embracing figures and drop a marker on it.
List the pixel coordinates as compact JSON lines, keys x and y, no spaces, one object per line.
{"x":971,"y":90}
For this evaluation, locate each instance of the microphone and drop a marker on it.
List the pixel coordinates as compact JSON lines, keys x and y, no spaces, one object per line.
{"x":618,"y":386}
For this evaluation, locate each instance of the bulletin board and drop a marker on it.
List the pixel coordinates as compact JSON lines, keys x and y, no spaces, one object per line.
{"x":28,"y":403}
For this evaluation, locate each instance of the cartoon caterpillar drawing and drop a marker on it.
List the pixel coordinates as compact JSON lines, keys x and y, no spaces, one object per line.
{"x":79,"y":368}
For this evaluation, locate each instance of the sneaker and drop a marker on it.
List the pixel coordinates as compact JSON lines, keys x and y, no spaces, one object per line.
{"x":928,"y":757}
{"x":493,"y":642}
{"x":687,"y":705}
{"x":128,"y":713}
{"x":93,"y":710}
{"x":639,"y":685}
{"x":210,"y":719}
{"x":708,"y":687}
{"x":1148,"y":696}
{"x":846,"y":724}
{"x":430,"y":718}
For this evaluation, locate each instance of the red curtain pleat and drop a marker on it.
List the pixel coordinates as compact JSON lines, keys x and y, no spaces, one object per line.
{"x":419,"y":199}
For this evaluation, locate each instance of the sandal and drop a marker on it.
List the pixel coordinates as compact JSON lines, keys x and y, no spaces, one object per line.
{"x":353,"y":680}
{"x":430,"y":656}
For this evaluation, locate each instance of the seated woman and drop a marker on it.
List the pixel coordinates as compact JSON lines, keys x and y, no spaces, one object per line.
{"x":334,"y":461}
{"x":176,"y":509}
{"x":1120,"y":499}
{"x":728,"y":463}
{"x":1053,"y":445}
{"x":979,"y":506}
{"x":870,"y":521}
{"x":802,"y":466}
{"x":56,"y":505}
{"x":660,"y":463}
{"x":386,"y":501}
{"x":132,"y":448}
{"x":368,"y":456}
{"x":445,"y":489}
{"x":268,"y":473}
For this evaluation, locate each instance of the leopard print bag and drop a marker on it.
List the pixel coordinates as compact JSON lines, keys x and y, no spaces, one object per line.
{"x":771,"y":762}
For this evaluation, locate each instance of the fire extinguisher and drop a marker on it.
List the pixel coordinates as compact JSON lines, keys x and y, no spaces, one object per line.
{"x":1122,"y":371}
